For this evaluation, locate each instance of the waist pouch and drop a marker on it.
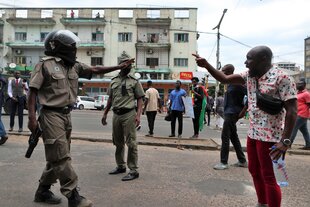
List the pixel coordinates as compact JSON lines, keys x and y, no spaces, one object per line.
{"x":268,"y":103}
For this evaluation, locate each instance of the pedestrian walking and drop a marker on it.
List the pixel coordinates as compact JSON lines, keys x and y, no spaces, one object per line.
{"x":209,"y":108}
{"x":198,"y":97}
{"x":152,"y":104}
{"x":272,"y":117}
{"x":16,"y":88}
{"x":177,"y":108}
{"x":233,"y":105}
{"x":54,"y":83}
{"x":303,"y":104}
{"x":124,"y":90}
{"x":219,"y":110}
{"x":3,"y":134}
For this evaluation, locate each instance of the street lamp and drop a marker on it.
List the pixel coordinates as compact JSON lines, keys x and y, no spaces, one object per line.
{"x":218,"y":64}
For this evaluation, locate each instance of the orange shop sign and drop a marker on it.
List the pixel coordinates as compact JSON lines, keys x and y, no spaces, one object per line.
{"x":186,"y":75}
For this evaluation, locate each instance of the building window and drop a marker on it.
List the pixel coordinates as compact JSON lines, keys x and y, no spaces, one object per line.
{"x":96,"y":61}
{"x":152,"y":62}
{"x":181,"y":13}
{"x":125,"y":13}
{"x":21,"y":13}
{"x":21,"y":60}
{"x":46,"y":13}
{"x":181,"y":62}
{"x":153,"y":14}
{"x":152,"y":38}
{"x":42,"y":36}
{"x":181,"y":37}
{"x":95,"y":37}
{"x":20,"y":36}
{"x":97,"y":13}
{"x":125,"y":37}
{"x":72,"y":13}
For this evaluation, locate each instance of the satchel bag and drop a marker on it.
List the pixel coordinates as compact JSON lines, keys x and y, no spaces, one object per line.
{"x":268,"y":103}
{"x":168,"y":116}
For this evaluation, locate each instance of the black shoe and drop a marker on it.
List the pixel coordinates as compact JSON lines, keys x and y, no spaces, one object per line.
{"x":75,"y":200}
{"x":44,"y":195}
{"x":131,"y":176}
{"x":117,"y":170}
{"x":11,"y":129}
{"x":20,"y":130}
{"x":3,"y":139}
{"x":172,"y":135}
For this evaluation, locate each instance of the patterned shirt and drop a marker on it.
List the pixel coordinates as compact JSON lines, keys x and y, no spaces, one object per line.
{"x":263,"y":126}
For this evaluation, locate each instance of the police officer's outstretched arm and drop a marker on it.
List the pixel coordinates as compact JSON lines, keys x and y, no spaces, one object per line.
{"x":139,"y":110}
{"x":104,"y":69}
{"x":32,"y":121}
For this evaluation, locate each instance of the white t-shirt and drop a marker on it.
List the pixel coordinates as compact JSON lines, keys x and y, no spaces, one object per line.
{"x":152,"y":95}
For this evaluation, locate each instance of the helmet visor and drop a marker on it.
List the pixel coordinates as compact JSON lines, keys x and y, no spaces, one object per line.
{"x":67,"y":38}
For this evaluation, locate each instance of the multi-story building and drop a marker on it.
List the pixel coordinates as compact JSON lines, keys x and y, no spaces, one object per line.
{"x":161,"y":39}
{"x":307,"y":61}
{"x":290,"y":68}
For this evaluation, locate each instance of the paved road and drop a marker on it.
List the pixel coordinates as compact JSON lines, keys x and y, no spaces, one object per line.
{"x":88,"y":123}
{"x":169,"y":178}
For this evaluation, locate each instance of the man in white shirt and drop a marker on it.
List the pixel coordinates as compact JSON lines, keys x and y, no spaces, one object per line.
{"x":152,"y":104}
{"x":16,"y":88}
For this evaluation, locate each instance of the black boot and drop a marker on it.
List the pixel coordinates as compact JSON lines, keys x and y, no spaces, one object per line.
{"x":75,"y":200}
{"x":44,"y":195}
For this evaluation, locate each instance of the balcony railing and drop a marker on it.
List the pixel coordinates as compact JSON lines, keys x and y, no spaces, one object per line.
{"x":31,"y":21}
{"x":82,"y":21}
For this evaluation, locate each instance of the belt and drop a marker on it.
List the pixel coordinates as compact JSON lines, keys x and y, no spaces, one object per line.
{"x":62,"y":110}
{"x":121,"y":111}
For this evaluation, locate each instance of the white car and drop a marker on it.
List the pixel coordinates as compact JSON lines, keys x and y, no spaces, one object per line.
{"x":101,"y":101}
{"x":85,"y":102}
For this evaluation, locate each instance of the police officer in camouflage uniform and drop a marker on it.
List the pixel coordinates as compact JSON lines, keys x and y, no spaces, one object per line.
{"x":124,"y":90}
{"x":55,"y":83}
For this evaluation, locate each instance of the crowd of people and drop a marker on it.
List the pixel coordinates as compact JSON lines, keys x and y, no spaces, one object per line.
{"x":269,"y":135}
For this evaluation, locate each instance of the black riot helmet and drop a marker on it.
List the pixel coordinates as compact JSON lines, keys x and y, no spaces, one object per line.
{"x":64,"y":37}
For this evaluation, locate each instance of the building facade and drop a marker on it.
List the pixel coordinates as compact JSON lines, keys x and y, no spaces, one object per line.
{"x":161,"y":39}
{"x":290,"y":68}
{"x":307,"y":61}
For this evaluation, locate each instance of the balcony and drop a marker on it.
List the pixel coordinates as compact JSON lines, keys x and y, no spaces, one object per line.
{"x":153,"y":70}
{"x":41,"y":44}
{"x":83,"y":21}
{"x":25,"y":44}
{"x":153,"y":21}
{"x":31,"y":21}
{"x":153,"y":45}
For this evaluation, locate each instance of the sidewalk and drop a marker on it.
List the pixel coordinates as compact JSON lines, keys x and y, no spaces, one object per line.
{"x":197,"y":144}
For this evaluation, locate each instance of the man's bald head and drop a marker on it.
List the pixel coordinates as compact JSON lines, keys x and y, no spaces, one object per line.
{"x":228,"y":69}
{"x":259,"y":60}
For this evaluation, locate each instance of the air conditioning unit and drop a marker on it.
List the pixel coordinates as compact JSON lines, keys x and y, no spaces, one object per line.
{"x":18,"y":52}
{"x":150,"y":51}
{"x":89,"y":53}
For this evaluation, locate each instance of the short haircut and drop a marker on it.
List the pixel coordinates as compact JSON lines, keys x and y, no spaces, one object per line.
{"x":195,"y":79}
{"x":149,"y":82}
{"x":178,"y":81}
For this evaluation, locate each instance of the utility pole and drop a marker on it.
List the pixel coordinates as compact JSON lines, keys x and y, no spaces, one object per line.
{"x":218,"y":64}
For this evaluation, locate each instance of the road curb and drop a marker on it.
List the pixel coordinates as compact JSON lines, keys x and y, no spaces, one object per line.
{"x":173,"y":143}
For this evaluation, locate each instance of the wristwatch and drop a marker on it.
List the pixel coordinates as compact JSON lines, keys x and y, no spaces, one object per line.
{"x":286,"y":142}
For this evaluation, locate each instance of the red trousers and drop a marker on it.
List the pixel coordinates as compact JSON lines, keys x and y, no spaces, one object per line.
{"x":261,"y":169}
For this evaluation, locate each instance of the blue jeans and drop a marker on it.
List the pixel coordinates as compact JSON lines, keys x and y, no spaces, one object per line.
{"x":2,"y":129}
{"x":301,"y":124}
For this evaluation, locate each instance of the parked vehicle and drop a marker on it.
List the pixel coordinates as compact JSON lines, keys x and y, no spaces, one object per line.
{"x":101,"y":101}
{"x":85,"y":102}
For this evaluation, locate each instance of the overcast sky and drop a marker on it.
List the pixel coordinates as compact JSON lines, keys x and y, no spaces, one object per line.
{"x":280,"y":24}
